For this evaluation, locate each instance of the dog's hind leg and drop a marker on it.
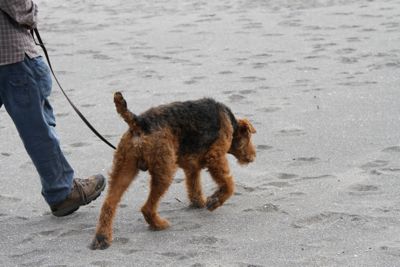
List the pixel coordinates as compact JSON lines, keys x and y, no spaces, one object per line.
{"x":158,"y":186}
{"x":219,"y":170}
{"x":124,"y":170}
{"x":162,"y":169}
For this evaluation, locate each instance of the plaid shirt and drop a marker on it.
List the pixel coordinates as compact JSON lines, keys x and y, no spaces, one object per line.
{"x":16,"y":18}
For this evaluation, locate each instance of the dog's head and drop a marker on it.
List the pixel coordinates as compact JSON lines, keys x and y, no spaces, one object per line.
{"x":242,"y":147}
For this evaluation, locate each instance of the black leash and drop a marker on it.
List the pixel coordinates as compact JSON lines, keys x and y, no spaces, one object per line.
{"x":41,"y":44}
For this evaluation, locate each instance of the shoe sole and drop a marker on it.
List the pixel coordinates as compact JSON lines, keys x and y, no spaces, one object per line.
{"x":72,"y":209}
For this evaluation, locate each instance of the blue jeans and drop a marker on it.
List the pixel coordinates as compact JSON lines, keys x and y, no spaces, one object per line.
{"x":24,"y":89}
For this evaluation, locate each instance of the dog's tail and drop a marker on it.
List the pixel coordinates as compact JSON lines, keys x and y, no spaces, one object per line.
{"x":126,"y":114}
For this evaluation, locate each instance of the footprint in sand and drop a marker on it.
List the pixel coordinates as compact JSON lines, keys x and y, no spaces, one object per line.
{"x":263,"y":147}
{"x":348,"y":60}
{"x":392,"y":248}
{"x":247,"y":92}
{"x":29,"y":254}
{"x":392,"y":149}
{"x":291,"y":132}
{"x":304,"y":161}
{"x":208,"y":18}
{"x":123,"y":206}
{"x":150,"y":74}
{"x":391,"y":26}
{"x":228,"y":92}
{"x":307,"y":159}
{"x":80,"y":144}
{"x":363,"y":189}
{"x":315,"y":39}
{"x":47,"y":233}
{"x":243,"y":264}
{"x":372,"y":165}
{"x":330,"y":218}
{"x":186,"y":25}
{"x":297,"y":194}
{"x":170,"y":254}
{"x":307,"y":68}
{"x":252,"y":79}
{"x":345,"y":51}
{"x":205,"y":240}
{"x":236,"y":98}
{"x":225,"y":72}
{"x":129,"y":251}
{"x":266,"y":208}
{"x":88,"y":105}
{"x":315,"y":57}
{"x":247,"y":189}
{"x":77,"y":230}
{"x":110,"y":136}
{"x":325,"y":176}
{"x":259,"y":65}
{"x":101,"y":57}
{"x":194,"y":80}
{"x":103,"y":263}
{"x":283,"y":61}
{"x":186,"y":226}
{"x":179,"y":256}
{"x":53,"y":232}
{"x":302,"y":82}
{"x":9,"y":199}
{"x":252,"y":26}
{"x":347,"y":26}
{"x":353,"y":39}
{"x":178,"y":180}
{"x":278,"y":184}
{"x":286,"y":176}
{"x":62,"y":114}
{"x":87,"y":52}
{"x":290,"y":23}
{"x":269,"y":109}
{"x":390,"y":169}
{"x":367,"y":30}
{"x":121,"y":240}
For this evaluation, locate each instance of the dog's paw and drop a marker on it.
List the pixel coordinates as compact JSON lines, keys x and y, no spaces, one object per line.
{"x":159,"y":224}
{"x":212,"y":203}
{"x":99,"y":242}
{"x":197,"y":204}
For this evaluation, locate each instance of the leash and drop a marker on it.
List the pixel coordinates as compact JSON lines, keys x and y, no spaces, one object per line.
{"x":41,"y":44}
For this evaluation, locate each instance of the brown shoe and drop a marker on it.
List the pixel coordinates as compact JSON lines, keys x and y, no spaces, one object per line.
{"x":82,"y":193}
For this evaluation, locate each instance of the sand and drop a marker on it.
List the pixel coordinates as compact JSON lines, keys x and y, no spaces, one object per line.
{"x":319,"y":80}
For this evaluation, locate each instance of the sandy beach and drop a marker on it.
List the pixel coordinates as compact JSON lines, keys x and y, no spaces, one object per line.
{"x":318,"y":79}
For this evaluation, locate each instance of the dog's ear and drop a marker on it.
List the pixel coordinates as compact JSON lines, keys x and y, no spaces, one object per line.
{"x":246,"y":127}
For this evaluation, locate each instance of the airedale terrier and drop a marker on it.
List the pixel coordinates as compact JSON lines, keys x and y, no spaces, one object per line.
{"x":192,"y":135}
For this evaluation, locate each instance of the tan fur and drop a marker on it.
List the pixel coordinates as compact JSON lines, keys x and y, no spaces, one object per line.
{"x":159,"y":154}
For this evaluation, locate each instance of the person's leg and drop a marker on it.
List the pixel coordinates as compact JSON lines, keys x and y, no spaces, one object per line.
{"x":24,"y":89}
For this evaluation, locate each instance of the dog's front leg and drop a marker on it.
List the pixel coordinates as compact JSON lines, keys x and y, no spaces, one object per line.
{"x":193,"y":186}
{"x":219,"y":170}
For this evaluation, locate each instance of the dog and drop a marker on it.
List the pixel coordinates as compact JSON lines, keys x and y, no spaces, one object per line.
{"x":192,"y":135}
